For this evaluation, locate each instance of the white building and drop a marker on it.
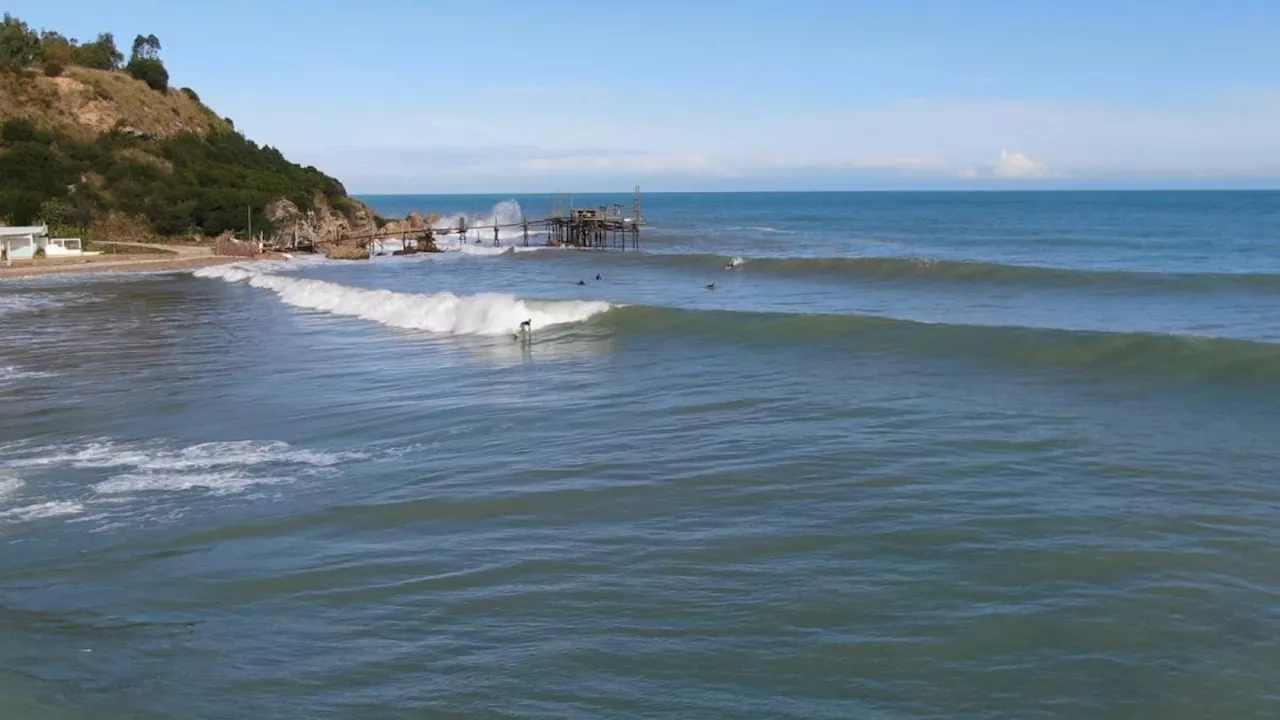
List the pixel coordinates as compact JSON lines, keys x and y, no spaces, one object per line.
{"x":65,"y":247}
{"x":22,"y":243}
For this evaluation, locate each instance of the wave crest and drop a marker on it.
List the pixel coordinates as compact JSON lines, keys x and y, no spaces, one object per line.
{"x":443,"y":313}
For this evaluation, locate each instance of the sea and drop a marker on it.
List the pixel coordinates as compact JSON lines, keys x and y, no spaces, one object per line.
{"x":799,"y":455}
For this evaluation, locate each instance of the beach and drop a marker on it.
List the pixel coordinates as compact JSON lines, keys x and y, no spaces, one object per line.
{"x":156,"y":258}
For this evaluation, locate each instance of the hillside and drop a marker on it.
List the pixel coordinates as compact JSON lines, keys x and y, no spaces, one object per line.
{"x":82,"y":103}
{"x":95,"y":146}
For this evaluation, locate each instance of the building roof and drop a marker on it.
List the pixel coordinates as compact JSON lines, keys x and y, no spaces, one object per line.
{"x":28,"y":230}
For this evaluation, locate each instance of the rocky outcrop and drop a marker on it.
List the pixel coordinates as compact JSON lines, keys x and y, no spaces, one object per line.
{"x":346,"y":252}
{"x":412,"y":224}
{"x":319,"y":227}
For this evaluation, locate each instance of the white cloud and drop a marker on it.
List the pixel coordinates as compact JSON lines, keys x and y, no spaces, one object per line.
{"x":1018,"y":165}
{"x":910,"y":140}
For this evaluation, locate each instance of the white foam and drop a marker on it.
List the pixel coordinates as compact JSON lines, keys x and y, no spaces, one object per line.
{"x":12,"y":374}
{"x":736,"y":261}
{"x":125,"y":476}
{"x":217,"y":483}
{"x":40,"y":511}
{"x":445,"y":313}
{"x":760,"y":229}
{"x":9,"y":485}
{"x":203,"y":456}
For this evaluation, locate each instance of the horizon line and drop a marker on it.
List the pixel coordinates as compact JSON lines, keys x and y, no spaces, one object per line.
{"x":935,"y":191}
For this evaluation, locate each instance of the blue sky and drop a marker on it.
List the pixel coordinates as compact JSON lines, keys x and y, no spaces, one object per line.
{"x":491,"y":96}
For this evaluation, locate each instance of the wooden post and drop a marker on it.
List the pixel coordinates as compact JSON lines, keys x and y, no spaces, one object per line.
{"x":526,"y":233}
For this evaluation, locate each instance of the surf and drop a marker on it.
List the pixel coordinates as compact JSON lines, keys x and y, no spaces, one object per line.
{"x":443,"y":313}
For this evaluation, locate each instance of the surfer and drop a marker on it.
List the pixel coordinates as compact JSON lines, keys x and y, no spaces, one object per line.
{"x":598,"y":276}
{"x":582,"y":282}
{"x":525,"y":331}
{"x":712,"y":286}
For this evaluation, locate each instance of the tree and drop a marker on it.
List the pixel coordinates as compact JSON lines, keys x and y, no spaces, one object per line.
{"x":151,"y":72}
{"x":145,"y":47}
{"x":19,"y":45}
{"x":54,"y":48}
{"x":101,"y":54}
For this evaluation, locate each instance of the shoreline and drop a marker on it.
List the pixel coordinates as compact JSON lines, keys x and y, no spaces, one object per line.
{"x":133,"y":265}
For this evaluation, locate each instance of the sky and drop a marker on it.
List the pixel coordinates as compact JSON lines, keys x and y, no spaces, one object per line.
{"x":416,"y":96}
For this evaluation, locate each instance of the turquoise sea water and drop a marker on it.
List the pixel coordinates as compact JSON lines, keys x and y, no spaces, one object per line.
{"x":991,"y":455}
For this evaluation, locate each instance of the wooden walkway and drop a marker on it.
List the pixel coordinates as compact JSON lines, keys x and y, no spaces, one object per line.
{"x":601,"y":227}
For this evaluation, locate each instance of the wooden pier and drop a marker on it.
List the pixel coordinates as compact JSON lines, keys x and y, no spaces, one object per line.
{"x":599,"y":228}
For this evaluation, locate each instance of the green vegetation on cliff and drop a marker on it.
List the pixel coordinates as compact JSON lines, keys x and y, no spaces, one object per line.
{"x":84,"y":135}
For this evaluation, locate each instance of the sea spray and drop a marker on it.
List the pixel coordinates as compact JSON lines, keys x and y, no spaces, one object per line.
{"x":507,"y":215}
{"x":444,"y":313}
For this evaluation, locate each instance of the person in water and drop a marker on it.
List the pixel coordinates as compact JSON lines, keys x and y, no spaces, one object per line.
{"x":598,"y":276}
{"x":582,"y":282}
{"x":712,"y":286}
{"x":526,"y":326}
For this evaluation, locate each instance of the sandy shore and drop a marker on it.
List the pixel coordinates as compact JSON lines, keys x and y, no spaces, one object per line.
{"x":114,"y":263}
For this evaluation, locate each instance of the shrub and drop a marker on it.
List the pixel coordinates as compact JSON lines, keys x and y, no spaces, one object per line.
{"x":191,"y":94}
{"x":53,"y":68}
{"x":151,"y":72}
{"x":18,"y":130}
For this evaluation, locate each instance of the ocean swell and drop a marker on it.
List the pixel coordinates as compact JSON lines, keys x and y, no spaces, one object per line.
{"x":930,"y":269}
{"x":1177,"y":358}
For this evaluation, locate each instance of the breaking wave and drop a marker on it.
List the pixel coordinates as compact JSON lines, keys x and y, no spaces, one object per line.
{"x":480,"y":226}
{"x":443,"y":313}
